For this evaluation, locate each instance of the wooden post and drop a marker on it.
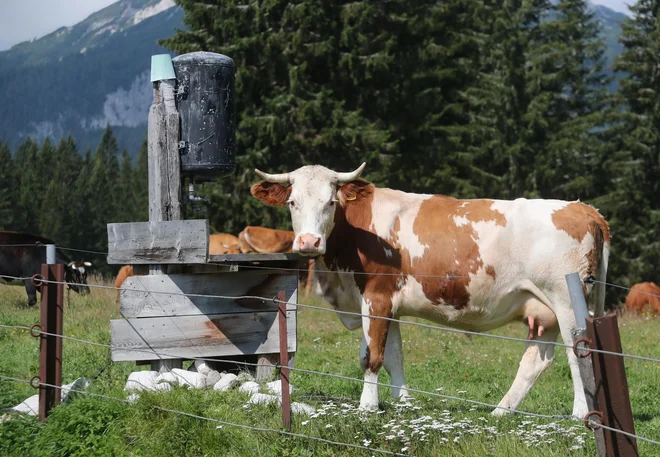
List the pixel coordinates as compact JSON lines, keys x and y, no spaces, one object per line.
{"x":612,"y":386}
{"x":164,"y":169}
{"x":50,"y":348}
{"x":284,"y":361}
{"x":584,"y":360}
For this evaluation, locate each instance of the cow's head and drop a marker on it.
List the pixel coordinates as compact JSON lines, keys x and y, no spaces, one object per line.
{"x":312,"y":194}
{"x":75,"y":275}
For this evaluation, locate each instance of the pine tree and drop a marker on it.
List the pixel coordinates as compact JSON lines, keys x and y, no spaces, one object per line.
{"x":8,"y":187}
{"x":29,"y":181}
{"x":635,"y":162}
{"x":58,"y":208}
{"x":105,"y":198}
{"x":141,"y":185}
{"x":126,"y":206}
{"x":579,"y":109}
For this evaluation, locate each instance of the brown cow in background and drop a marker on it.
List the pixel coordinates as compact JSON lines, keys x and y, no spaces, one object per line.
{"x":265,"y":240}
{"x":223,"y":243}
{"x":643,"y":296}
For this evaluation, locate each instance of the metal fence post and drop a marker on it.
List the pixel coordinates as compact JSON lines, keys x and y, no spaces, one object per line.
{"x":284,"y":360}
{"x":584,"y":359}
{"x":50,"y":348}
{"x":612,"y":385}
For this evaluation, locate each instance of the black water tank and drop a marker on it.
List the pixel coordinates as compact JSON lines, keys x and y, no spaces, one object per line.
{"x":205,"y":101}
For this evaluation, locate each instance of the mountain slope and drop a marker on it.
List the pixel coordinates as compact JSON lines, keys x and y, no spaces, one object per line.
{"x":79,"y":79}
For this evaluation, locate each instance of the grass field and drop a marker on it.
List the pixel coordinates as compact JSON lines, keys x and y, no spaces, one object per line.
{"x":478,"y":368}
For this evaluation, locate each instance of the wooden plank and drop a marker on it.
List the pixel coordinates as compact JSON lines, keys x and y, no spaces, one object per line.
{"x":163,"y":295}
{"x":250,"y":258}
{"x":214,"y":335}
{"x":157,"y":242}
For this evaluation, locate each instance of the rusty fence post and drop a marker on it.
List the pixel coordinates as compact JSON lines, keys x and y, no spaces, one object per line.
{"x":50,"y":347}
{"x":612,"y":385}
{"x":284,"y":360}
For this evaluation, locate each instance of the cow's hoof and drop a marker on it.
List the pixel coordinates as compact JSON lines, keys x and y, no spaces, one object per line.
{"x":368,"y":406}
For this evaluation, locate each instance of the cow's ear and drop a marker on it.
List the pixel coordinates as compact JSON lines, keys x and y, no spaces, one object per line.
{"x":272,"y":194}
{"x":354,"y":190}
{"x":87,"y":264}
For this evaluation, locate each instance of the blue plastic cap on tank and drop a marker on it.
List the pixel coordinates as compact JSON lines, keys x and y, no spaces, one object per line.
{"x":161,"y":67}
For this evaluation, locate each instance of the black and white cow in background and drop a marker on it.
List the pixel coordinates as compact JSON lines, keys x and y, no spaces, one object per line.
{"x":21,"y":255}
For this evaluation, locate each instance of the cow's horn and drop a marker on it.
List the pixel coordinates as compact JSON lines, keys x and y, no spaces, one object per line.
{"x":351,"y":176}
{"x":281,"y":178}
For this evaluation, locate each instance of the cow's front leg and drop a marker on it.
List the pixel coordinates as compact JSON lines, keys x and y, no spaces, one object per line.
{"x":31,"y":292}
{"x":372,"y":352}
{"x":393,"y":363}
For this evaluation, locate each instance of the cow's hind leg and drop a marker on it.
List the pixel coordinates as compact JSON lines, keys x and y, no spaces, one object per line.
{"x":372,"y":352}
{"x":537,"y":357}
{"x":393,"y":362}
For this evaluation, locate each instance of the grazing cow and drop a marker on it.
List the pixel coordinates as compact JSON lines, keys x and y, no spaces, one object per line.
{"x":19,"y":260}
{"x":643,"y":296}
{"x":223,"y":243}
{"x":470,"y":264}
{"x":269,"y":241}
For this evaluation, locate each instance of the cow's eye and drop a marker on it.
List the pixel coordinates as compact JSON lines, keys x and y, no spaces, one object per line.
{"x":291,"y":203}
{"x":332,"y":203}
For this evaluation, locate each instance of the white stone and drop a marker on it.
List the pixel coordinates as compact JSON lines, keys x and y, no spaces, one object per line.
{"x":29,"y":405}
{"x":144,"y":380}
{"x":202,"y":367}
{"x":187,"y":378}
{"x":77,"y":385}
{"x":263,"y":399}
{"x":275,"y":388}
{"x":212,"y":377}
{"x":226,"y":383}
{"x":249,"y":387}
{"x":301,"y":408}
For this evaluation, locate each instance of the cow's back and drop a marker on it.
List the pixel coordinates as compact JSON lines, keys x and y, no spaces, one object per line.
{"x":223,"y":243}
{"x":643,"y":296}
{"x":21,"y":253}
{"x":265,"y":240}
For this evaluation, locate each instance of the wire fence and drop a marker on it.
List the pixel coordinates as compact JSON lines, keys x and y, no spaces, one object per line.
{"x":313,"y":372}
{"x":352,"y":313}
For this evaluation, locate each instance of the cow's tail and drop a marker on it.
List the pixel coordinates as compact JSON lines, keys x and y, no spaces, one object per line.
{"x":602,"y":247}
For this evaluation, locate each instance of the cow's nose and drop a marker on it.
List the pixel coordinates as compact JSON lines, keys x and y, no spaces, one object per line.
{"x":309,"y":243}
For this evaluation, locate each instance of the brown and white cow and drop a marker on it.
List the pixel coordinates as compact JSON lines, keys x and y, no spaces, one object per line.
{"x":644,"y":296}
{"x":470,"y":264}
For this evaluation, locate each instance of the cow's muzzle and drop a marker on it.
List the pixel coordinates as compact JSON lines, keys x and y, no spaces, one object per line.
{"x":308,"y":244}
